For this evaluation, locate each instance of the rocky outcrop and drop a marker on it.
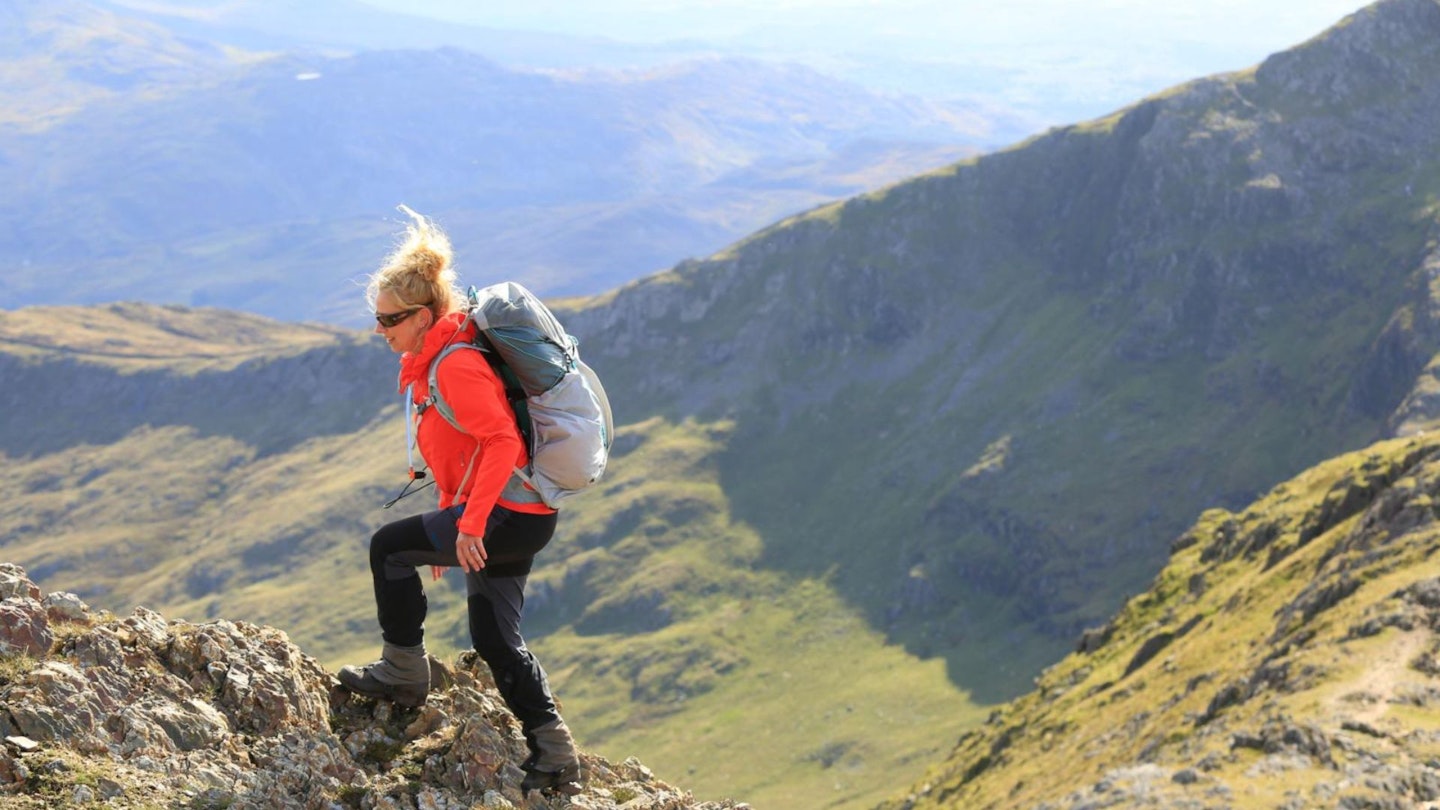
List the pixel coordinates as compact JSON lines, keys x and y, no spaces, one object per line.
{"x":139,"y":711}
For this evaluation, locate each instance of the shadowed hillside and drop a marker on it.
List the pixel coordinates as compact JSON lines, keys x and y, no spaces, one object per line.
{"x":93,"y":376}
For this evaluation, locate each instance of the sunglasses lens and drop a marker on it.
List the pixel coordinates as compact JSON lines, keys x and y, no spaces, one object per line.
{"x":389,"y":319}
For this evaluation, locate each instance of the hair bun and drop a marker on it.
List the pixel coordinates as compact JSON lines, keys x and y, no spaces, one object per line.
{"x":429,"y":263}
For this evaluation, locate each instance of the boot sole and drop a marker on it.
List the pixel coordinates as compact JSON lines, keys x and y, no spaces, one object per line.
{"x":565,"y":788}
{"x":551,"y":783}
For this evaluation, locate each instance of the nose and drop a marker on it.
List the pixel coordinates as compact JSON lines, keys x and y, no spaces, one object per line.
{"x":379,"y":330}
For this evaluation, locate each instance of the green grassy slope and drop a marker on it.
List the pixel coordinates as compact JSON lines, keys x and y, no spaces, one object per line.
{"x":1284,"y":658}
{"x":671,"y":643}
{"x":132,"y":337}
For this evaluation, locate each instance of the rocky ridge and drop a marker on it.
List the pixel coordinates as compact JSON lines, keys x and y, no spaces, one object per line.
{"x":141,"y":712}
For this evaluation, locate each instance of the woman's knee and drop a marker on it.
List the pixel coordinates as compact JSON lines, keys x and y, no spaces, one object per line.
{"x":394,"y":538}
{"x":380,"y":548}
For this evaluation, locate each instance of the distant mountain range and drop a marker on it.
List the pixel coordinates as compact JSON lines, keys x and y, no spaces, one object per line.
{"x":145,"y":163}
{"x":1030,"y":65}
{"x":878,"y":464}
{"x":349,"y":26}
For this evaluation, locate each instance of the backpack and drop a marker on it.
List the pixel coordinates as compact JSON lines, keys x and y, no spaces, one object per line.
{"x":560,"y":406}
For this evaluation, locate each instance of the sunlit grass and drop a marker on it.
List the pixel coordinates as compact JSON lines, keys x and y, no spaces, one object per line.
{"x":1235,"y":619}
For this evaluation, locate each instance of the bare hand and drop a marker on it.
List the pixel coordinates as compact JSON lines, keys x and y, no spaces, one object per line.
{"x":470,"y":550}
{"x":437,"y":571}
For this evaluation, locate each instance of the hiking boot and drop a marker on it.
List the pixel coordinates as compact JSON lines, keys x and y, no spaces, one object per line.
{"x":402,"y":674}
{"x":553,"y":765}
{"x":362,"y":681}
{"x":566,"y":781}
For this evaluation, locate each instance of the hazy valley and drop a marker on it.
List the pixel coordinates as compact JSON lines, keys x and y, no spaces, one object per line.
{"x":144,"y":163}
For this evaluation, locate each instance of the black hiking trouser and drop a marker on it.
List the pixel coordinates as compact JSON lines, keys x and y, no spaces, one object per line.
{"x":496,"y":596}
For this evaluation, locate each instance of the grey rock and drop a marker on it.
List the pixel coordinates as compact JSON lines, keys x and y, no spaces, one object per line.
{"x":65,"y":606}
{"x":24,"y":627}
{"x":232,"y":714}
{"x":13,"y":582}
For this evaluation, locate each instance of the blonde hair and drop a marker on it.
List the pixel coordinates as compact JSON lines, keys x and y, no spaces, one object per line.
{"x":418,"y":272}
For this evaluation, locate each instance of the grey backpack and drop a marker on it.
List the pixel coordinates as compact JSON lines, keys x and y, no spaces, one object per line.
{"x":562,"y":411}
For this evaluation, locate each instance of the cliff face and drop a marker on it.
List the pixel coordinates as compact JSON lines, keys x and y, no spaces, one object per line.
{"x":144,"y":712}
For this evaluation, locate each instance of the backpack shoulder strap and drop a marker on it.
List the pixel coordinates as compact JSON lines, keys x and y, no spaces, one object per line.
{"x":435,"y":400}
{"x":514,"y":392}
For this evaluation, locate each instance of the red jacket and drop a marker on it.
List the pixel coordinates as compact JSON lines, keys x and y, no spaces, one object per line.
{"x":489,"y":448}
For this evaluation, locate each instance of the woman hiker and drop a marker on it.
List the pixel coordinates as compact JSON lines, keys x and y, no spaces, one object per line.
{"x":490,"y":530}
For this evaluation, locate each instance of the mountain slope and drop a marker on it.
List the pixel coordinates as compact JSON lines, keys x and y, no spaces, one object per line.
{"x":1286,"y":657}
{"x":59,"y":57}
{"x":349,"y":26}
{"x":1029,"y":367}
{"x":93,"y":376}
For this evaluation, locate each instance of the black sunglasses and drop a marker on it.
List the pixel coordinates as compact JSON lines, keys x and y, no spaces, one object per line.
{"x":390,"y":319}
